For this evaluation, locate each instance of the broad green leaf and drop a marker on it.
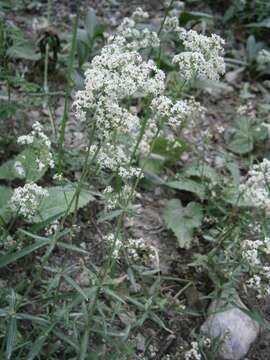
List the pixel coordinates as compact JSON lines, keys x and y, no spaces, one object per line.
{"x":153,"y":164}
{"x":91,"y":22}
{"x":202,"y":171}
{"x":25,"y":51}
{"x":5,"y":195}
{"x":164,"y":151}
{"x":170,"y":149}
{"x":8,"y":171}
{"x":27,"y":161}
{"x":188,"y":185}
{"x":183,"y":220}
{"x":253,"y":47}
{"x":242,"y":138}
{"x":29,"y":157}
{"x":232,"y":196}
{"x":60,"y":201}
{"x":82,"y":36}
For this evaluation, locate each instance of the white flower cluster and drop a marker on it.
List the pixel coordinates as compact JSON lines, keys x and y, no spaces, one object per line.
{"x":134,"y":36}
{"x":251,"y":251}
{"x":172,"y":114}
{"x":247,"y":110}
{"x":37,"y":136}
{"x":255,"y":253}
{"x":114,"y":199}
{"x":264,"y":57}
{"x":118,"y":73}
{"x":175,"y":113}
{"x":203,"y":56}
{"x":52,"y":228}
{"x":171,"y":24}
{"x":26,"y":200}
{"x":136,"y":249}
{"x":194,"y":352}
{"x":260,"y":282}
{"x":115,"y":78}
{"x":256,"y":188}
{"x":115,"y":245}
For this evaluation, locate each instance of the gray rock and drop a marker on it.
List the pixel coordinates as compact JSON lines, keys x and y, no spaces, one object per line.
{"x":236,"y":330}
{"x":140,"y":340}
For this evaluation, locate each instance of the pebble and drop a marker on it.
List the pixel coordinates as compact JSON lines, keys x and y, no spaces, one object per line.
{"x":234,"y":326}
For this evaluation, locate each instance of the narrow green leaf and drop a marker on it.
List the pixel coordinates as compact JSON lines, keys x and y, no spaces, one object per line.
{"x":11,"y":337}
{"x":36,"y":347}
{"x":71,"y":247}
{"x":10,"y":258}
{"x":66,"y":339}
{"x":22,"y":316}
{"x":72,"y":283}
{"x":84,"y":344}
{"x":113,"y":295}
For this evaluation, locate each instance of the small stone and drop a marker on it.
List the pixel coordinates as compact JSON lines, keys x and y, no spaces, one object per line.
{"x":235,"y":328}
{"x":140,"y":341}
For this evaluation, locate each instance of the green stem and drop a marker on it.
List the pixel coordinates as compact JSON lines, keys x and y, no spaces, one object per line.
{"x":67,"y":94}
{"x":60,"y":226}
{"x":108,"y":266}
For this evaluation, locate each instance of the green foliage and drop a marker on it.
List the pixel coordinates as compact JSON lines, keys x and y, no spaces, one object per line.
{"x":183,"y":220}
{"x":256,"y":11}
{"x":49,"y":310}
{"x":5,"y":195}
{"x":16,"y":45}
{"x":246,"y":133}
{"x":28,"y":159}
{"x":192,"y":18}
{"x":189,"y":185}
{"x":87,"y":36}
{"x":165,"y":152}
{"x":61,"y":200}
{"x":13,"y":257}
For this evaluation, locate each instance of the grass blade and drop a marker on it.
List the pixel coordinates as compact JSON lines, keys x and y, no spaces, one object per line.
{"x":11,"y":337}
{"x":10,"y":258}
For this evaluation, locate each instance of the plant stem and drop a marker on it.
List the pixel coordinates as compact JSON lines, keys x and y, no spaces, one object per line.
{"x":67,"y":94}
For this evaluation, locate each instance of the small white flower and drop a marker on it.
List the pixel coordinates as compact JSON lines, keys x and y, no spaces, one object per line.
{"x":264,"y":57}
{"x":52,"y":228}
{"x":18,"y":166}
{"x":203,"y":56}
{"x":25,"y":200}
{"x":256,"y":187}
{"x":194,"y":352}
{"x":38,"y":135}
